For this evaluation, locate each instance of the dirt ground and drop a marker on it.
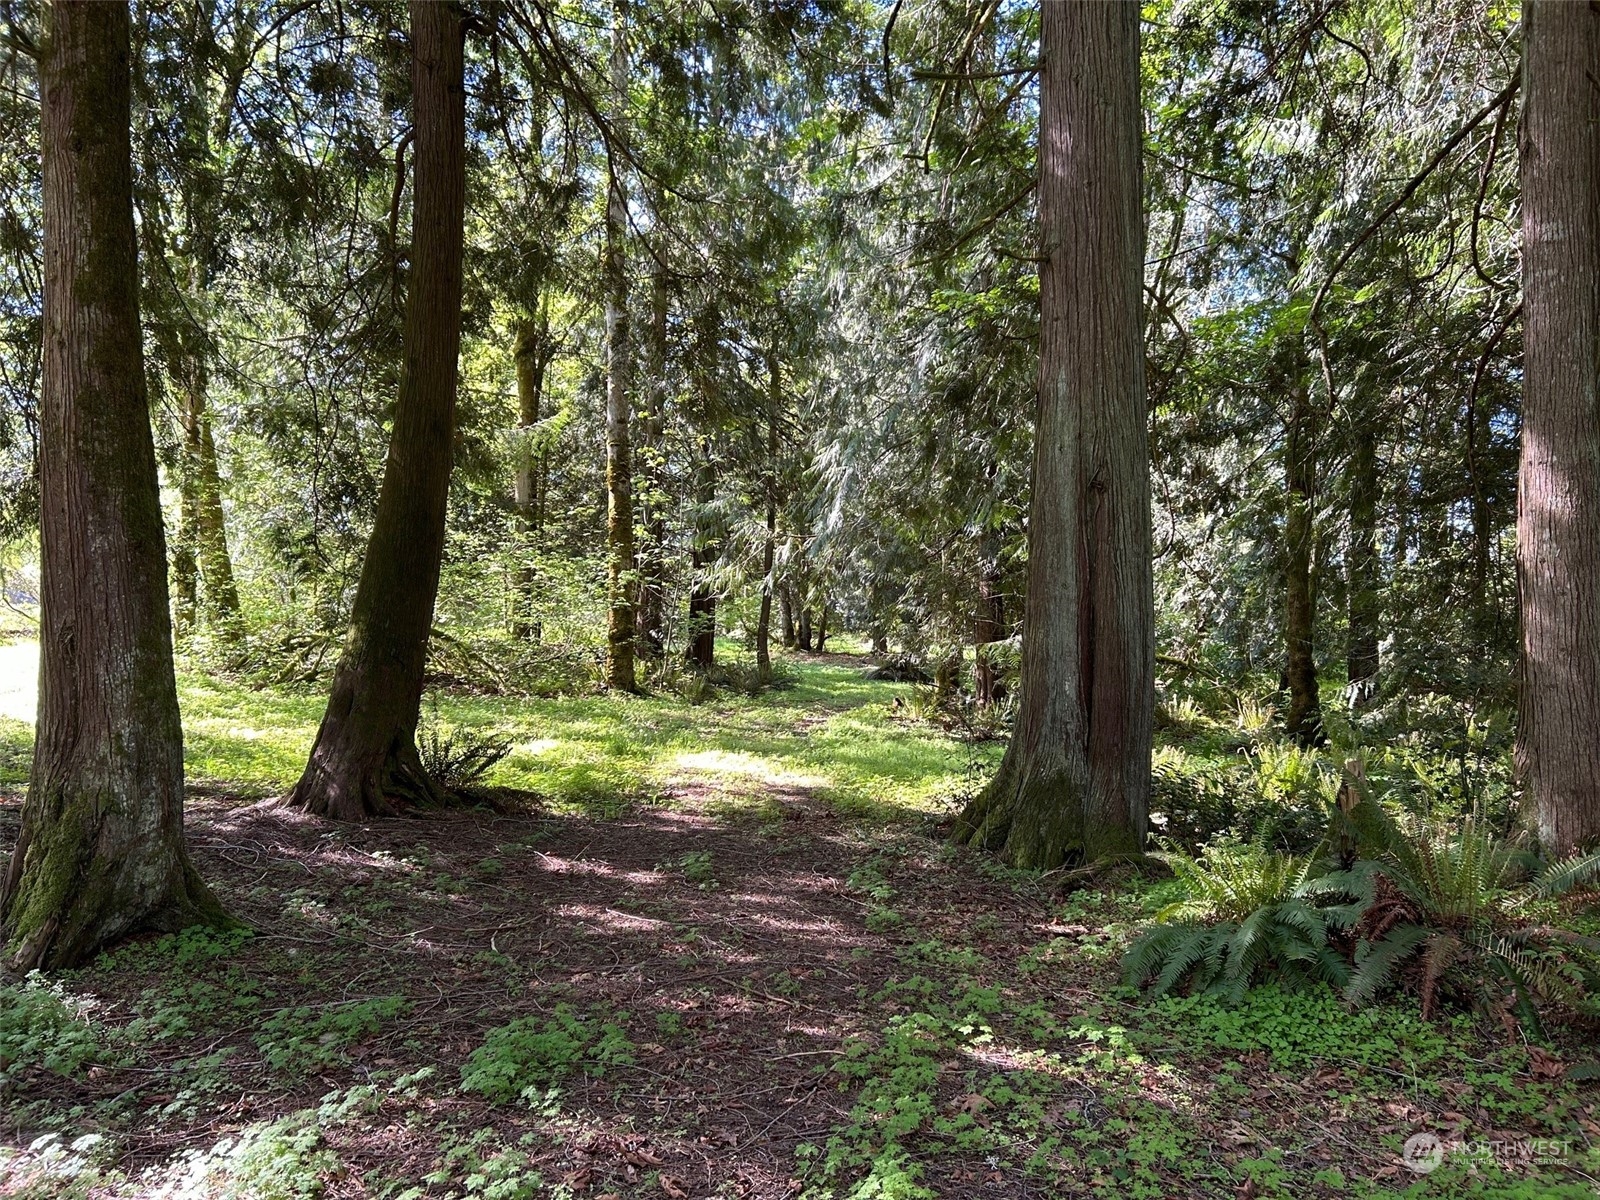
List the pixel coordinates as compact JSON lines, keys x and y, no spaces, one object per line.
{"x":749,"y":960}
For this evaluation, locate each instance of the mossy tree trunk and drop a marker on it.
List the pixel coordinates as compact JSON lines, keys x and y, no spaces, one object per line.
{"x":653,"y":500}
{"x":531,"y":351}
{"x":365,"y":758}
{"x":202,"y":566}
{"x":101,"y":851}
{"x":1075,"y":779}
{"x":621,"y":575}
{"x":1558,"y":509}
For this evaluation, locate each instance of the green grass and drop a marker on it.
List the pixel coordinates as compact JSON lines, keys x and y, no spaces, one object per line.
{"x":834,"y":735}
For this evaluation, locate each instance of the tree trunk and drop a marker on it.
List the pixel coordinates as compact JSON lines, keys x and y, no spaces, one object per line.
{"x":100,"y":853}
{"x":365,"y":757}
{"x":1304,"y":720}
{"x":219,"y":594}
{"x":621,"y":577}
{"x":1558,"y":511}
{"x":770,"y":547}
{"x":791,"y":638}
{"x":651,"y":638}
{"x":702,"y":627}
{"x":1075,"y":780}
{"x":947,"y":678}
{"x":531,"y":352}
{"x":821,"y":628}
{"x":803,"y":630}
{"x":991,"y":623}
{"x":1364,"y":598}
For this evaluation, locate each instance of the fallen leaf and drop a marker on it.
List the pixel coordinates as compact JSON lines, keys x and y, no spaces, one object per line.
{"x":673,"y":1188}
{"x":1545,"y":1065}
{"x":972,"y":1104}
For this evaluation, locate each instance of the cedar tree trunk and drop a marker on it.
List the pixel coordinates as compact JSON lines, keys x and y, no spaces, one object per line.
{"x":365,"y":757}
{"x":1075,"y":780}
{"x":1558,"y":508}
{"x":101,"y":852}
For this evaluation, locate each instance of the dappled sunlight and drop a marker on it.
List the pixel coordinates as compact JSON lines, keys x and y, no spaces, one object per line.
{"x":736,"y":765}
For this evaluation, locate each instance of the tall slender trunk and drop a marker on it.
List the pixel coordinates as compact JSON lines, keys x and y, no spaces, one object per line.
{"x":1363,"y":585}
{"x":770,"y":547}
{"x":1558,"y":510}
{"x":803,"y":629}
{"x":219,"y":592}
{"x":621,"y":578}
{"x":1075,"y":780}
{"x":100,"y":853}
{"x":531,"y":352}
{"x":990,"y":625}
{"x":791,"y":638}
{"x":653,"y":498}
{"x":821,"y":627}
{"x":202,"y":567}
{"x":704,"y":552}
{"x":365,"y":757}
{"x":1304,"y":719}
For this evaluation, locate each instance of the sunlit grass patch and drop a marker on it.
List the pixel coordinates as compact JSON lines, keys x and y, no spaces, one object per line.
{"x":833,"y":734}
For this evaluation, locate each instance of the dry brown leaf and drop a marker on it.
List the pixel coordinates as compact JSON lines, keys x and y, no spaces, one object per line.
{"x":673,"y":1188}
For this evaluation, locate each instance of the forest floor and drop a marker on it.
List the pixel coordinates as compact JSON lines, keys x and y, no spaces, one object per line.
{"x":727,"y":954}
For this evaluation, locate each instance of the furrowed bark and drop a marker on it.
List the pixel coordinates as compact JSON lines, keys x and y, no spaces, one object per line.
{"x":1075,"y":779}
{"x":1558,"y":502}
{"x":101,"y":852}
{"x":365,"y":760}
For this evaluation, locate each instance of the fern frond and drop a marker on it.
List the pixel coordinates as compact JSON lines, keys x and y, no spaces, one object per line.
{"x":1375,"y":969}
{"x":1559,"y":878}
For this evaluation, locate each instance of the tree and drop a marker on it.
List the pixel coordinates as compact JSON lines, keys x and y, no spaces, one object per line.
{"x":101,"y":850}
{"x":620,"y":567}
{"x":1075,"y":778}
{"x":1558,"y":511}
{"x":365,"y":756}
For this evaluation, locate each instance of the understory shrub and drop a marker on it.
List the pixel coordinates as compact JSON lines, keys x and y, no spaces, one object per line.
{"x":1445,"y":910}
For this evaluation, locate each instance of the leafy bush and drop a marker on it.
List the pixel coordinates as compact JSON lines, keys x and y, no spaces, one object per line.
{"x":517,"y":1059}
{"x":40,"y":1029}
